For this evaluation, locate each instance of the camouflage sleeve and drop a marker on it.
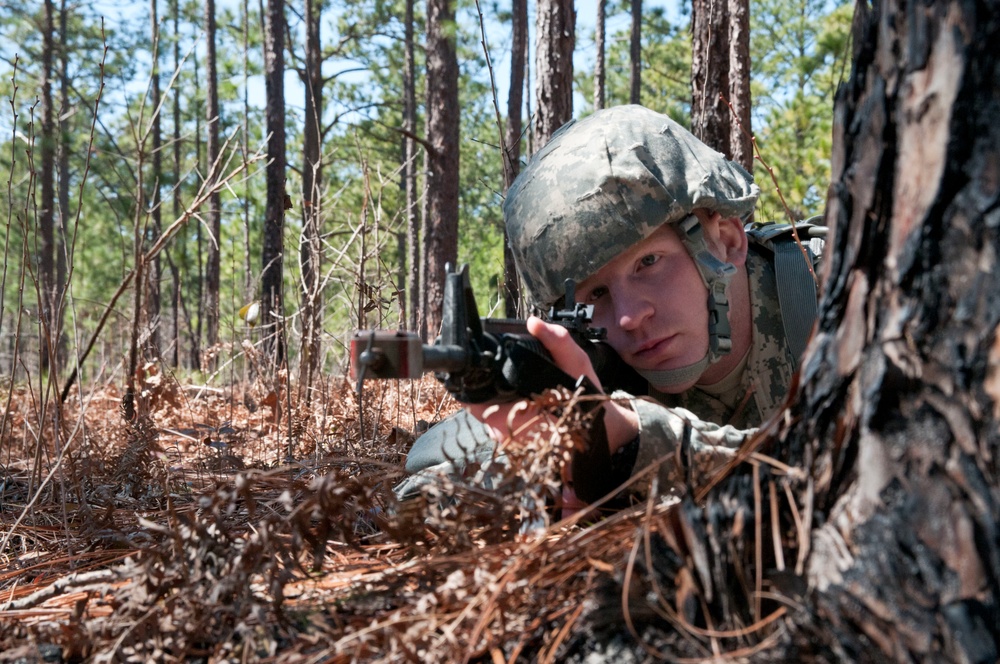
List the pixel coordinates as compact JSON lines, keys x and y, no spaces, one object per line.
{"x":685,"y":448}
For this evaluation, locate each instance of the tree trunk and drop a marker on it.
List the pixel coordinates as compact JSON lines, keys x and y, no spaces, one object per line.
{"x":249,"y":294}
{"x":64,"y":180}
{"x":153,"y":274}
{"x":274,"y":212}
{"x":555,"y":35}
{"x":178,"y":205}
{"x":599,"y":75}
{"x":710,"y":118}
{"x":213,"y":268}
{"x":900,"y":402}
{"x":512,"y":141}
{"x":415,"y":314}
{"x":441,"y":218}
{"x":720,"y":76}
{"x":875,"y":531}
{"x":312,"y":174}
{"x":45,"y":206}
{"x":635,"y":54}
{"x":199,"y":315}
{"x":740,"y":144}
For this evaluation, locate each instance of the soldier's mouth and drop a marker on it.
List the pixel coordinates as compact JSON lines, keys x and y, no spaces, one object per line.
{"x":655,"y":351}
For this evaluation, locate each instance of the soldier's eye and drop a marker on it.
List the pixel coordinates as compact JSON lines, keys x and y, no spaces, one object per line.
{"x":597,"y":293}
{"x":648,"y":259}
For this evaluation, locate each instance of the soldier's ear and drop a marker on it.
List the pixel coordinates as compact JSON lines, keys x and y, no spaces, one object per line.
{"x":733,"y":240}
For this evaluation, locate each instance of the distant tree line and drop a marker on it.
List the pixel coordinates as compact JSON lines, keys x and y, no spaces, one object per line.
{"x":337,"y":203}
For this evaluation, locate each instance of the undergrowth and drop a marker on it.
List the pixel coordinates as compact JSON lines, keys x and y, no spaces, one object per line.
{"x":178,"y":528}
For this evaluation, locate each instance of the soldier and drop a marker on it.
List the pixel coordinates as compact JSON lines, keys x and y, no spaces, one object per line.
{"x":649,"y":222}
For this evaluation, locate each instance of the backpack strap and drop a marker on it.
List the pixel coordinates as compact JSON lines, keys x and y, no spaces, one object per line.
{"x":796,"y":285}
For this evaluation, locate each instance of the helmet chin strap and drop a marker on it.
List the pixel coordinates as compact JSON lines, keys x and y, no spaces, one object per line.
{"x":664,"y":379}
{"x":716,"y":276}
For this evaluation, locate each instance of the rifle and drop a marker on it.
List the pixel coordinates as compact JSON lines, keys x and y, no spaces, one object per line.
{"x":489,"y":359}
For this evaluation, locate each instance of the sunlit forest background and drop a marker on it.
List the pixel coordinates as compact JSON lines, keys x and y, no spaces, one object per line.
{"x":111,"y":180}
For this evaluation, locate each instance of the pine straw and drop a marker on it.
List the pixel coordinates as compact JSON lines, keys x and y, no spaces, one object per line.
{"x":160,"y":552}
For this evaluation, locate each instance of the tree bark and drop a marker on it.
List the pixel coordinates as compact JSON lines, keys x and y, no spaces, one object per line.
{"x":274,"y":211}
{"x":441,"y":218}
{"x":635,"y":54}
{"x":900,"y":402}
{"x":512,"y":141}
{"x":555,"y":36}
{"x":710,"y":119}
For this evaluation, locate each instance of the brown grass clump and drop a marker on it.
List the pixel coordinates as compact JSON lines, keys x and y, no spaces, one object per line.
{"x":209,"y":527}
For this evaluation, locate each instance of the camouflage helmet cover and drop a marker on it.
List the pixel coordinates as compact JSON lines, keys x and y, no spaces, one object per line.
{"x":605,"y":182}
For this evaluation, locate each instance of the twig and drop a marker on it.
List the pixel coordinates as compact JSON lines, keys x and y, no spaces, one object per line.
{"x":75,"y":580}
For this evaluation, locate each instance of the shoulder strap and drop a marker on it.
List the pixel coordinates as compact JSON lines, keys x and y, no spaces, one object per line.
{"x":796,"y":286}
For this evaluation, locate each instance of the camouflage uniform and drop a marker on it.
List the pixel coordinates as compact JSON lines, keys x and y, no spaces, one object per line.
{"x":618,"y":175}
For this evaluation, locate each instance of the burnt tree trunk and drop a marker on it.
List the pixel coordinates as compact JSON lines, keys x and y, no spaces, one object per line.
{"x":867,"y":530}
{"x":899,"y":409}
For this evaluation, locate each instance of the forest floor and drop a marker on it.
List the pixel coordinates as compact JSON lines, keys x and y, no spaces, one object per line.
{"x":206,"y":524}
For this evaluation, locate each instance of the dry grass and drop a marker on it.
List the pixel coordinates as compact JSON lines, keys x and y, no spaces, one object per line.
{"x":189,"y":533}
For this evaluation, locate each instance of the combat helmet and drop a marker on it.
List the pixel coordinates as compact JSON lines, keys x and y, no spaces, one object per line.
{"x":606,"y":182}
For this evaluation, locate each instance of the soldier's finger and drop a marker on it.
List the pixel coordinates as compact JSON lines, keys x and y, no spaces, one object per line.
{"x":567,"y":355}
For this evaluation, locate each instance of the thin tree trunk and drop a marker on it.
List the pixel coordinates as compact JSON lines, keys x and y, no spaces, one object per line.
{"x":415,"y":313}
{"x":199,"y":239}
{"x":441,"y":219}
{"x":312,"y":173}
{"x":247,"y":254}
{"x":741,"y":145}
{"x":512,"y":142}
{"x":555,"y":26}
{"x":213,"y":268}
{"x":178,"y":203}
{"x":274,"y":214}
{"x":62,"y":246}
{"x":153,"y":300}
{"x":47,"y":203}
{"x":599,"y":75}
{"x":635,"y":54}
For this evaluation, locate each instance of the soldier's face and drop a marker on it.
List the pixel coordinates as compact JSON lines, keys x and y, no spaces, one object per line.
{"x":653,"y":303}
